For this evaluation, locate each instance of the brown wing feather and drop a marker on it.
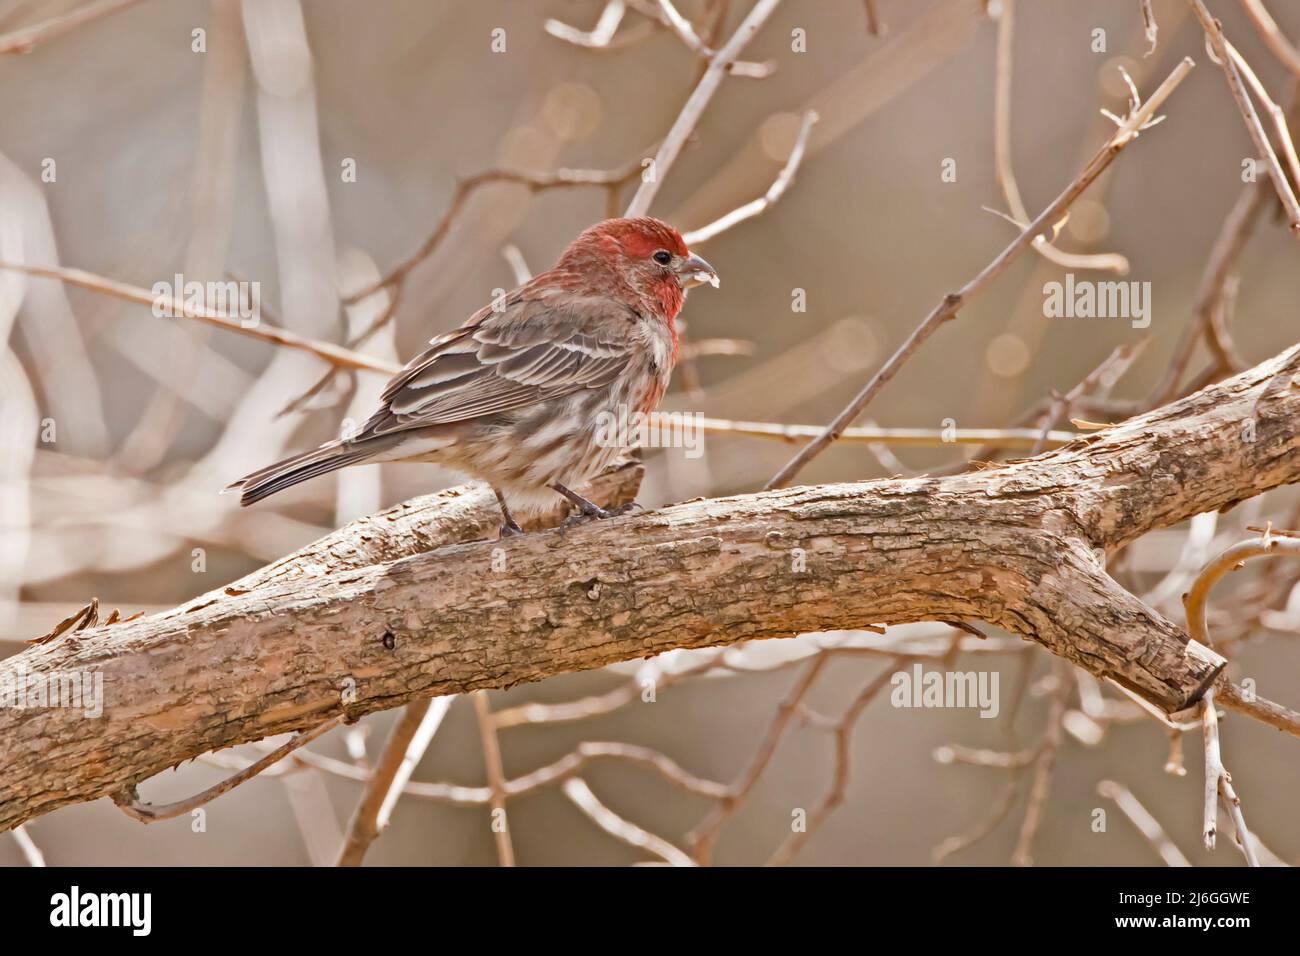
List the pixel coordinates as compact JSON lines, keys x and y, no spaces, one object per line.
{"x":540,"y":346}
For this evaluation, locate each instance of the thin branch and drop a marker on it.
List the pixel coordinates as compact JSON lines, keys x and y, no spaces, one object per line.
{"x":609,"y":179}
{"x":1219,"y":46}
{"x":1044,"y":768}
{"x":598,"y":37}
{"x":701,"y":840}
{"x":875,"y":27}
{"x":26,"y":39}
{"x":1277,"y":716}
{"x":760,"y":205}
{"x":1113,"y":262}
{"x":576,"y":789}
{"x":1227,"y":249}
{"x":406,"y":744}
{"x":334,"y":354}
{"x":686,"y":33}
{"x":947,"y":309}
{"x":1149,"y":26}
{"x":1268,"y":545}
{"x":496,"y":778}
{"x":129,"y":802}
{"x":1146,"y":824}
{"x":695,"y":105}
{"x":843,"y":731}
{"x":1273,"y":37}
{"x":31,"y":852}
{"x":1218,"y":782}
{"x":1275,"y":112}
{"x":1110,"y":370}
{"x":1003,"y":437}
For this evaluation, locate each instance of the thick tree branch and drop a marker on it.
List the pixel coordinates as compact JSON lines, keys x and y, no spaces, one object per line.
{"x":1015,"y":546}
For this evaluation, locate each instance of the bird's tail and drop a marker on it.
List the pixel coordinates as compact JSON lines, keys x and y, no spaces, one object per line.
{"x":267,"y":481}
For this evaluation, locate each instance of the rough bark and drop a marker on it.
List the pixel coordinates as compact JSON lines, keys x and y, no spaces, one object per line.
{"x":1015,"y":546}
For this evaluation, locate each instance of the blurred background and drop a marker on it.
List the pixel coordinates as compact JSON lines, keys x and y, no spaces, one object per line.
{"x":311,"y":145}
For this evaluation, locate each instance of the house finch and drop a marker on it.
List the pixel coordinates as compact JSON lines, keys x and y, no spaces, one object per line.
{"x":515,"y":396}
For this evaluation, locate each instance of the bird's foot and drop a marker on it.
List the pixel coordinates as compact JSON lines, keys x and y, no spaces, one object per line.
{"x":590,"y":511}
{"x":509,"y":530}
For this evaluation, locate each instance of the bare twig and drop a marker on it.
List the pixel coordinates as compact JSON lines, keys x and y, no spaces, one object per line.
{"x":843,"y":732}
{"x":406,"y":744}
{"x":1219,"y":46}
{"x":129,"y":802}
{"x":1223,"y":257}
{"x":1149,"y":26}
{"x":1218,"y":782}
{"x":1273,"y":37}
{"x":686,"y":33}
{"x":1137,"y":120}
{"x":31,"y":852}
{"x":1113,"y":262}
{"x":26,"y":39}
{"x":696,"y":104}
{"x":496,"y":777}
{"x":609,"y":179}
{"x":702,"y":839}
{"x":334,"y":354}
{"x":576,"y":789}
{"x":1044,"y":767}
{"x":767,"y":200}
{"x":875,"y":27}
{"x":1109,"y":371}
{"x":1146,"y":824}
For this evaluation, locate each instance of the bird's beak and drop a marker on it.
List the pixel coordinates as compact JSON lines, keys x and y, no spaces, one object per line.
{"x":693,"y":271}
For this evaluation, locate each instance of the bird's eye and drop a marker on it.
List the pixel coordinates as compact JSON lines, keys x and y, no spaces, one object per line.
{"x":663,"y":257}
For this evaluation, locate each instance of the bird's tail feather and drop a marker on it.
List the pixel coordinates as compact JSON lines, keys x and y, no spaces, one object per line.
{"x":267,"y":481}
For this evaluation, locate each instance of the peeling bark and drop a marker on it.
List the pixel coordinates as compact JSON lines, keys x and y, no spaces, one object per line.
{"x":371,"y":618}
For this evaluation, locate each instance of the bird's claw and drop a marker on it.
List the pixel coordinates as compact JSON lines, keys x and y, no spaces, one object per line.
{"x":597,"y":513}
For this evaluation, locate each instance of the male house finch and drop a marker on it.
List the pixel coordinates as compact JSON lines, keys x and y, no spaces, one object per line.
{"x":515,"y":396}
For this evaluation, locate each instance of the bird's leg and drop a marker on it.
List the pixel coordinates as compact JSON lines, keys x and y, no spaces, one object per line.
{"x":587,"y":510}
{"x":511,"y":527}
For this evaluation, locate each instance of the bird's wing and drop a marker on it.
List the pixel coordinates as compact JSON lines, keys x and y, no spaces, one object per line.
{"x":536,"y":347}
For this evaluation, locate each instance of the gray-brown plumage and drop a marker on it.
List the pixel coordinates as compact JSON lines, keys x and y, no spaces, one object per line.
{"x":521,"y":395}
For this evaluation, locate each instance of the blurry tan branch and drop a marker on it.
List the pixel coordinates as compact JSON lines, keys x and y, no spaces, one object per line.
{"x":1141,"y":116}
{"x":1218,"y":782}
{"x":1215,"y":279}
{"x":609,"y":179}
{"x":604,"y":36}
{"x":1149,"y":26}
{"x":1113,"y":262}
{"x":1273,"y":37}
{"x":696,"y":104}
{"x":370,"y":619}
{"x":1142,"y":818}
{"x":768,"y":199}
{"x":341,"y":357}
{"x":403,"y":750}
{"x":334,"y":354}
{"x":26,"y":39}
{"x":1231,"y":63}
{"x":128,"y":801}
{"x":874,"y":25}
{"x":686,"y":33}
